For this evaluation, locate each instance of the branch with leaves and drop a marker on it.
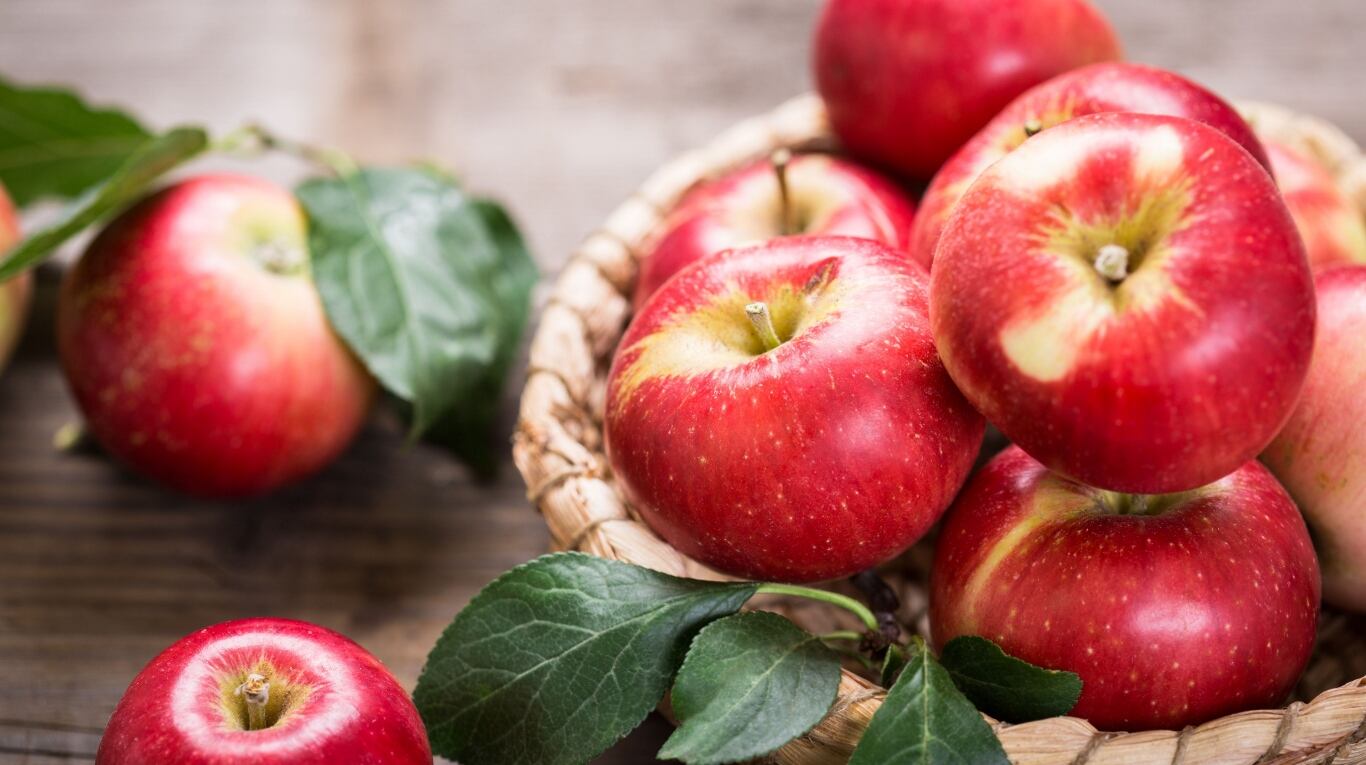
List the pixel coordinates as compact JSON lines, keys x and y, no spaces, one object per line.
{"x":558,"y":659}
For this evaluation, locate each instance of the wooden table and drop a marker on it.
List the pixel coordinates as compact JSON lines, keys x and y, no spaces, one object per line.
{"x":558,"y":106}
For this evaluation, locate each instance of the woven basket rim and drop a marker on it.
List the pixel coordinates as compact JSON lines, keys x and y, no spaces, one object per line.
{"x":558,"y":449}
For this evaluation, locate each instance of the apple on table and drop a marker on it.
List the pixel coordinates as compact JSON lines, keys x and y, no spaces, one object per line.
{"x":197,"y":347}
{"x":779,"y":411}
{"x":15,"y":293}
{"x":264,"y":692}
{"x":1125,"y":296}
{"x":784,"y":195}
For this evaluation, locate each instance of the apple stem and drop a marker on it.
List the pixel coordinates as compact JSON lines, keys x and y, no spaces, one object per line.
{"x":780,"y":159}
{"x":256,"y":693}
{"x":825,"y":596}
{"x":1032,"y":128}
{"x":762,"y":320}
{"x":1112,"y":262}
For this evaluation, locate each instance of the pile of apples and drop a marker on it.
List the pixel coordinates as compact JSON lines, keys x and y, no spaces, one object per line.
{"x":1103,"y":267}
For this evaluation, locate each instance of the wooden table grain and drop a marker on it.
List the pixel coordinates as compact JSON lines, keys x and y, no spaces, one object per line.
{"x":560,"y":107}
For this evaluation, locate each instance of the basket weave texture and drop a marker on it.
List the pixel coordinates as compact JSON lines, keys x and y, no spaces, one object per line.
{"x":558,"y":449}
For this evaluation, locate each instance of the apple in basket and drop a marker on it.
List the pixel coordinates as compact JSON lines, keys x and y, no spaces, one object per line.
{"x":907,"y":82}
{"x":15,"y":293}
{"x":196,"y":344}
{"x":779,"y":411}
{"x":1320,"y":456}
{"x":1125,"y":296}
{"x":1332,"y":227}
{"x":1174,"y":609}
{"x":264,"y":692}
{"x":784,"y":195}
{"x":1108,"y":87}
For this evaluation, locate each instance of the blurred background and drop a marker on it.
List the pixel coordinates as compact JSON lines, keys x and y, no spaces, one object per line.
{"x":558,"y":107}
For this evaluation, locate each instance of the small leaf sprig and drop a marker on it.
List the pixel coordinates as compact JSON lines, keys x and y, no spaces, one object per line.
{"x":429,"y":286}
{"x":561,"y":657}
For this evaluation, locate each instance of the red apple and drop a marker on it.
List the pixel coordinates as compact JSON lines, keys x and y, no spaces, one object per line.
{"x":808,"y":194}
{"x":197,"y":347}
{"x":1332,"y":227}
{"x":1126,"y":298}
{"x":264,"y":692}
{"x":1320,"y":456}
{"x":907,"y":82}
{"x":1174,"y":609}
{"x":811,"y":441}
{"x":1108,"y":87}
{"x":15,"y":293}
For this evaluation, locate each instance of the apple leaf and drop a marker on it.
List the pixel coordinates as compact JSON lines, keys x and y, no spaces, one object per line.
{"x":54,"y":145}
{"x":1005,"y":687}
{"x":892,"y":663}
{"x":465,"y":430}
{"x":558,"y":659}
{"x":925,"y":720}
{"x":429,"y":287}
{"x":129,"y":182}
{"x":750,"y":683}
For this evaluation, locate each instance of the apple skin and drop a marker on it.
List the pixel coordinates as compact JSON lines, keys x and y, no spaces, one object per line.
{"x":1320,"y":455}
{"x":193,"y":362}
{"x":829,"y":196}
{"x":1165,"y":380}
{"x":340,"y":703}
{"x":1095,"y":89}
{"x":820,"y":458}
{"x":1207,"y":607}
{"x":15,"y":293}
{"x":907,"y":82}
{"x":1332,"y":227}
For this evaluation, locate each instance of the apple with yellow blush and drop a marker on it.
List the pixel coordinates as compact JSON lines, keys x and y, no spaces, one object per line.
{"x":1126,"y":297}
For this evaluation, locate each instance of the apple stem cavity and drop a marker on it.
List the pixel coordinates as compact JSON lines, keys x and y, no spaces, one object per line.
{"x":256,"y":693}
{"x":762,"y":320}
{"x":780,"y":159}
{"x":1112,"y":262}
{"x":280,"y":259}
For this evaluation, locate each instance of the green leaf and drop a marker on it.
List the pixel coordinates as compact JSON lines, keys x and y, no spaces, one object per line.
{"x":54,"y":145}
{"x":558,"y":659}
{"x":126,"y":185}
{"x":1005,"y":687}
{"x":925,"y":720}
{"x":750,"y":683}
{"x":466,"y":429}
{"x":892,"y":664}
{"x":427,"y":286}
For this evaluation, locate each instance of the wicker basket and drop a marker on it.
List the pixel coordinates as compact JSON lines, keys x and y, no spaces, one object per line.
{"x":558,"y":448}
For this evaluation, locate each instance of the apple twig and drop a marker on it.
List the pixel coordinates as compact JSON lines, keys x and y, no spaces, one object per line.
{"x":255,"y":138}
{"x":885,"y":603}
{"x":834,"y":598}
